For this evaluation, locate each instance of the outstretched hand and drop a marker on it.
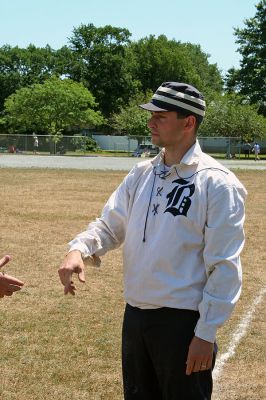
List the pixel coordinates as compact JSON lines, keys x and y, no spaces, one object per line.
{"x":72,"y":263}
{"x":8,"y":284}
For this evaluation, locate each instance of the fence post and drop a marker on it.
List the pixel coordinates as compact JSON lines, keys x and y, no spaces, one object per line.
{"x":228,"y":150}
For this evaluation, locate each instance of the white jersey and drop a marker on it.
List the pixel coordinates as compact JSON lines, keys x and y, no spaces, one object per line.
{"x":182,"y":230}
{"x":256,"y":149}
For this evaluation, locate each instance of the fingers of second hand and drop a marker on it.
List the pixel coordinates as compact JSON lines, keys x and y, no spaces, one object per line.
{"x":189,"y":370}
{"x":195,"y":365}
{"x":70,"y":288}
{"x":196,"y":368}
{"x":14,"y":288}
{"x":65,"y":273}
{"x":190,"y":367}
{"x":208,"y":364}
{"x":10,"y":280}
{"x":4,"y":260}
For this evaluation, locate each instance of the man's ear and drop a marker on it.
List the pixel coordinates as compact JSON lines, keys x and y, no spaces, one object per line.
{"x":191,"y":122}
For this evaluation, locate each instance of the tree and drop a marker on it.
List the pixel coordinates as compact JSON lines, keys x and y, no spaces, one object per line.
{"x":250,"y":79}
{"x":211,"y":78}
{"x":51,"y":107}
{"x":101,"y":64}
{"x":24,"y":67}
{"x":231,"y":116}
{"x":159,"y":59}
{"x":132,"y":120}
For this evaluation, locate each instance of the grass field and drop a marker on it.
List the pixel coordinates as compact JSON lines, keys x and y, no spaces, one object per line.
{"x":59,"y":347}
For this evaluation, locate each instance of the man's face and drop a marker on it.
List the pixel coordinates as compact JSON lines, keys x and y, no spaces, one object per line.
{"x":167,"y":130}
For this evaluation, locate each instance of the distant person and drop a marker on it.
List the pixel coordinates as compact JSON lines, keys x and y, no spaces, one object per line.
{"x":35,"y":143}
{"x":180,"y":219}
{"x":247,"y":149}
{"x":256,"y":150}
{"x":11,"y":149}
{"x":8,"y":284}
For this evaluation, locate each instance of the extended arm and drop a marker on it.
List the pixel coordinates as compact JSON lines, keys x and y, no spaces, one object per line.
{"x":105,"y":233}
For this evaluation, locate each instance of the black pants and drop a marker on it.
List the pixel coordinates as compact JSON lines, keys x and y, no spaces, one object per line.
{"x":154,"y":353}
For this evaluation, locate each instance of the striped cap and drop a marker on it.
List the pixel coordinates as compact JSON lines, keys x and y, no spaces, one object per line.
{"x":180,"y":97}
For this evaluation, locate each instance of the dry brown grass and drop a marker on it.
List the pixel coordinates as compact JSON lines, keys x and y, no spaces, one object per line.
{"x":55,"y":346}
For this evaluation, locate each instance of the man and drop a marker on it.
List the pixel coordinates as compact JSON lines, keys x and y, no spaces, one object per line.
{"x":180,"y":217}
{"x":256,"y":149}
{"x":35,"y":143}
{"x":8,"y":284}
{"x":247,"y":149}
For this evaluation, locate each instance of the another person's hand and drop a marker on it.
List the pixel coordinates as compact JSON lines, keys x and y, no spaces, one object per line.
{"x":73,"y":263}
{"x":200,"y":355}
{"x":8,"y":284}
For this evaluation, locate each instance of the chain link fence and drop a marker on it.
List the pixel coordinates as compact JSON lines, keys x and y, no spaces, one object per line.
{"x":116,"y":145}
{"x":46,"y":144}
{"x":78,"y":144}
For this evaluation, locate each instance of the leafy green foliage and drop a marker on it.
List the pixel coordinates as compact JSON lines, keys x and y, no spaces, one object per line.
{"x":24,"y":67}
{"x":229,"y":116}
{"x":51,"y":107}
{"x":84,"y":143}
{"x":115,"y":72}
{"x":101,"y":64}
{"x":159,"y":59}
{"x":132,"y":120}
{"x":250,"y":79}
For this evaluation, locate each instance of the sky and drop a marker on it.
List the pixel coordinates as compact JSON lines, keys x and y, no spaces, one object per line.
{"x":208,"y":23}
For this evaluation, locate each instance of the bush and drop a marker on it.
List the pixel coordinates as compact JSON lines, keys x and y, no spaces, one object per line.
{"x":84,"y":143}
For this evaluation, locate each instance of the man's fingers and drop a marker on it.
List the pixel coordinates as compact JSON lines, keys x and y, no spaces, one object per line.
{"x":73,"y":264}
{"x":65,"y":276}
{"x":81,"y":275}
{"x":66,"y":280}
{"x":14,"y":288}
{"x":9,"y":290}
{"x":9,"y":293}
{"x":197,"y":366}
{"x":4,"y":260}
{"x":10,"y":280}
{"x":189,"y":368}
{"x":70,"y":289}
{"x":191,"y":362}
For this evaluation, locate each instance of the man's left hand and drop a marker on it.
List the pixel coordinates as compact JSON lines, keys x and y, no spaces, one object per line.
{"x":8,"y":284}
{"x":200,"y":355}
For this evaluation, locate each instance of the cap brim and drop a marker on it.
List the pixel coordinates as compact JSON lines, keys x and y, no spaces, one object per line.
{"x":151,"y":107}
